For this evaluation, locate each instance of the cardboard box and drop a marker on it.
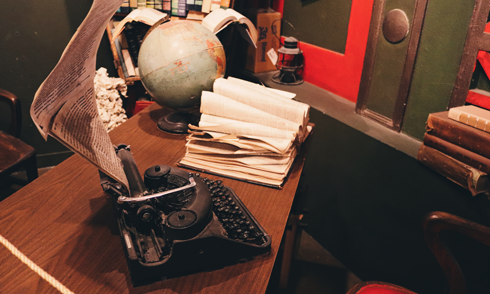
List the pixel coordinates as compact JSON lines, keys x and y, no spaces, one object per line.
{"x":257,"y":58}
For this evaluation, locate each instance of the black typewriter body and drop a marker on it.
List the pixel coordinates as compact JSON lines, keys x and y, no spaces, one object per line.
{"x":176,"y":223}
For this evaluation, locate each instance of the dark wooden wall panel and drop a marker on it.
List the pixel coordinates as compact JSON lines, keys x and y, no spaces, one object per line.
{"x":323,"y":23}
{"x":366,"y":201}
{"x":436,"y":67}
{"x":34,"y":35}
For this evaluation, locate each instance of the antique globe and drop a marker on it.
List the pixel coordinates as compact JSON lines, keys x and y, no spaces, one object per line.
{"x":177,"y":61}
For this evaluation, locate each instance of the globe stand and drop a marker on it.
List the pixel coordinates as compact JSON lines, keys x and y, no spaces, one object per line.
{"x":177,"y":122}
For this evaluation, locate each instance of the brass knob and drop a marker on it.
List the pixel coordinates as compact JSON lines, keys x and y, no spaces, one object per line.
{"x":396,"y":26}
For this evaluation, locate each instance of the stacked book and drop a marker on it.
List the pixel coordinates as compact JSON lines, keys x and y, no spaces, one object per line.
{"x":456,"y":144}
{"x":128,"y":34}
{"x":247,"y":132}
{"x":178,"y":8}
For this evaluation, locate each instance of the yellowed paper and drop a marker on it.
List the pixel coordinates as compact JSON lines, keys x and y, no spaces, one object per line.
{"x":64,"y":106}
{"x":220,"y":18}
{"x":147,"y":15}
{"x":262,"y":99}
{"x":271,"y":91}
{"x":275,"y":163}
{"x":235,"y":127}
{"x":235,"y":141}
{"x":261,"y":178}
{"x":247,"y":131}
{"x":219,"y":105}
{"x":248,"y":141}
{"x":210,"y":147}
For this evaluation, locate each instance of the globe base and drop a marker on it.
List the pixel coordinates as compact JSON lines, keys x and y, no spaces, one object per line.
{"x":176,"y":122}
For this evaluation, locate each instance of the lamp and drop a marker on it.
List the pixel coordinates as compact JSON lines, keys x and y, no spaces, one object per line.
{"x":289,"y":63}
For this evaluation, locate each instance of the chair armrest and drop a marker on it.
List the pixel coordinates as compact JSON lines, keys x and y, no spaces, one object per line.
{"x":15,"y":112}
{"x":437,"y":221}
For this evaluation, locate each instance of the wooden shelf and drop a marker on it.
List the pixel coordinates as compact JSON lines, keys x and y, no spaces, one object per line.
{"x":118,"y":62}
{"x":135,"y":87}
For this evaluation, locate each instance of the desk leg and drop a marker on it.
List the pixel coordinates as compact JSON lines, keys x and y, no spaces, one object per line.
{"x":290,"y":242}
{"x":292,"y":237}
{"x":31,"y":169}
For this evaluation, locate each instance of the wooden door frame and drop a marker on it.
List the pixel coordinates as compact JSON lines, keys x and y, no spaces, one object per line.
{"x":395,"y":122}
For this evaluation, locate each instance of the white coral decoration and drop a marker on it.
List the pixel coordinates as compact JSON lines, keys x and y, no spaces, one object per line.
{"x":109,"y":102}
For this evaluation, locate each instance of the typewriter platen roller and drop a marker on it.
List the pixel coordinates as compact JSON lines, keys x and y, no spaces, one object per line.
{"x":176,"y":223}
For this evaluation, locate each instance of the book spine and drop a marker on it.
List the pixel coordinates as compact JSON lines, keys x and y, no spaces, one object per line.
{"x":135,"y":32}
{"x":215,"y":4}
{"x":470,"y":158}
{"x":474,"y":120}
{"x":465,"y":176}
{"x":129,"y":63}
{"x":150,"y":3}
{"x":225,"y":3}
{"x":198,"y":5}
{"x":182,"y":8}
{"x":206,"y":6}
{"x":179,"y":8}
{"x":467,"y":137}
{"x":175,"y":7}
{"x":159,"y":5}
{"x":124,"y":7}
{"x":119,"y":49}
{"x":190,"y":5}
{"x":133,"y":4}
{"x":141,"y":4}
{"x":167,"y":6}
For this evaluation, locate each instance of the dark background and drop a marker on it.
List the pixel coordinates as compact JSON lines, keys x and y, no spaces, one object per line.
{"x":366,"y":200}
{"x":34,"y":35}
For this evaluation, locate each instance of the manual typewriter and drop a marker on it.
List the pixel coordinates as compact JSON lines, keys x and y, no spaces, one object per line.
{"x":175,"y":223}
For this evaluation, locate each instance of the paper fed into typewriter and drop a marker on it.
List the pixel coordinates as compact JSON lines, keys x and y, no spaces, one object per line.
{"x":175,"y":223}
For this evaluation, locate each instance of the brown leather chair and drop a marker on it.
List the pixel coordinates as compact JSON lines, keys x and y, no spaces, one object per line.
{"x":434,"y":223}
{"x":14,"y":153}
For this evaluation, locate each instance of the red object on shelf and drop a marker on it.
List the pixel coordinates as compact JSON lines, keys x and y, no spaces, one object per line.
{"x":339,"y":73}
{"x":336,"y":72}
{"x":278,"y":5}
{"x":140,"y":105}
{"x":479,"y":98}
{"x":476,"y":96}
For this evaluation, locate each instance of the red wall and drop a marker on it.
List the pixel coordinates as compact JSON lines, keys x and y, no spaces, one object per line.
{"x":332,"y":71}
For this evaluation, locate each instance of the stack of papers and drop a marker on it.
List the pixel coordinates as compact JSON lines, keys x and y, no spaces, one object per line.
{"x":248,"y":132}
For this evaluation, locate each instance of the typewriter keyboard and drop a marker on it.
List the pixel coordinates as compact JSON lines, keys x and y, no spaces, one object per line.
{"x":232,"y":213}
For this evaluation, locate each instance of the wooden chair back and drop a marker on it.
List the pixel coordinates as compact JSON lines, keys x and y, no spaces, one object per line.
{"x":433,"y":224}
{"x":437,"y":221}
{"x":15,"y":112}
{"x":14,"y":153}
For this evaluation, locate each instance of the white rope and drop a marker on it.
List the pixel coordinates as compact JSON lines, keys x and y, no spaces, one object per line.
{"x":34,"y":267}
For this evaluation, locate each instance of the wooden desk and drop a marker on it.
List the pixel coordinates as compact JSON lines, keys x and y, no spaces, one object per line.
{"x":64,"y":223}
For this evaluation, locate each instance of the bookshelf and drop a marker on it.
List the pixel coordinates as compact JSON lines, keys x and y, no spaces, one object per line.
{"x":135,"y":87}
